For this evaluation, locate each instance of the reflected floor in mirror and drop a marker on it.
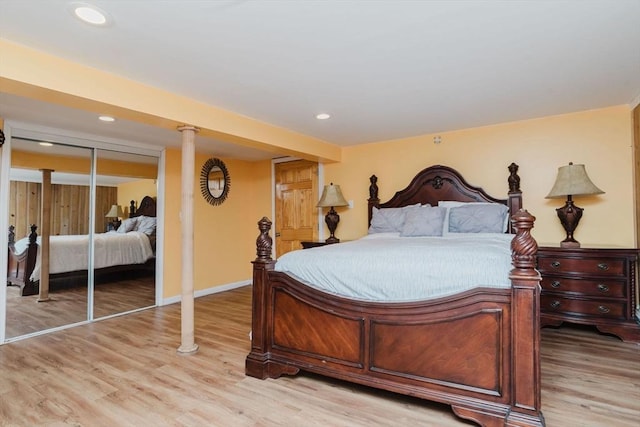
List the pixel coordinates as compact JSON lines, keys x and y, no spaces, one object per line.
{"x":25,"y":315}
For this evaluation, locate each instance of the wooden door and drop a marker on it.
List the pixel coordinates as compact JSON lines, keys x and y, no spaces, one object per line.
{"x":296,"y":198}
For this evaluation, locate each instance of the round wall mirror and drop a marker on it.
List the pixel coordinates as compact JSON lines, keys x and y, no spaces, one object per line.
{"x":214,"y":181}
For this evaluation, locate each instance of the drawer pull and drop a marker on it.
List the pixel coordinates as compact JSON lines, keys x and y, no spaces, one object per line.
{"x":555,"y":304}
{"x":602,"y":287}
{"x":555,"y":284}
{"x":555,"y":264}
{"x":603,"y":266}
{"x":603,"y":309}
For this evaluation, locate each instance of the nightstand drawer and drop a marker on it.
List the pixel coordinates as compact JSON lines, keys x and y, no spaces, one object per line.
{"x":598,"y":288}
{"x":601,"y":309}
{"x":583,"y":266}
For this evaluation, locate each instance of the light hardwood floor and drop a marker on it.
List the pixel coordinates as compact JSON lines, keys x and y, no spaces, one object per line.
{"x":125,"y":372}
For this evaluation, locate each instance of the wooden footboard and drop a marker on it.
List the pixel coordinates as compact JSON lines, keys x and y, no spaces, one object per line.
{"x":21,"y":265}
{"x":477,"y":351}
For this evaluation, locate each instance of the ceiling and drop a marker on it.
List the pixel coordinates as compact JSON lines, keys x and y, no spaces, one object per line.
{"x":382,"y":69}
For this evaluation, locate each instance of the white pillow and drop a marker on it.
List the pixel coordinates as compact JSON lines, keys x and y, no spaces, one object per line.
{"x":146,"y":225}
{"x":453,"y":204}
{"x":478,"y":218}
{"x":388,"y":220}
{"x":426,"y":221}
{"x":128,"y":225}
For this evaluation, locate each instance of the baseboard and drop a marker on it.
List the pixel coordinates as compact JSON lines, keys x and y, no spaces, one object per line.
{"x":208,"y":291}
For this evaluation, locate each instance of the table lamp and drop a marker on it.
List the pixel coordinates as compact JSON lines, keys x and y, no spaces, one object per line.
{"x":115,"y":212}
{"x":331,"y":197}
{"x":572,"y":180}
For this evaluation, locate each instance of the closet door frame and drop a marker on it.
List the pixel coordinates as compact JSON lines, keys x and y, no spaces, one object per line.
{"x":94,"y":142}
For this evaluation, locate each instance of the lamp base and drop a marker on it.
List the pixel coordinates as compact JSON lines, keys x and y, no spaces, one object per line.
{"x":570,"y":244}
{"x":569,"y":216}
{"x":332,"y":219}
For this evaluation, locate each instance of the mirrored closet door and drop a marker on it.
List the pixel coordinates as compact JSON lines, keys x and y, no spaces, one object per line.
{"x":49,"y":195}
{"x":125,"y":241}
{"x":98,"y":209}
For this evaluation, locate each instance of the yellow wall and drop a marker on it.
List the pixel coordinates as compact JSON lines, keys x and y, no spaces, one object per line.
{"x":225,"y":235}
{"x":127,"y":169}
{"x":601,"y":139}
{"x":67,"y":164}
{"x":77,"y":164}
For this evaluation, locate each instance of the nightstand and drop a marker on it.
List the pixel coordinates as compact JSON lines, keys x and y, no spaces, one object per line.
{"x":314,"y":244}
{"x":113,"y":225}
{"x":590,"y":286}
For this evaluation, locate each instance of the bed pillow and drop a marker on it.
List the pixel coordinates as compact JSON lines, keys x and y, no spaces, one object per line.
{"x":128,"y":225}
{"x":454,"y":204}
{"x":478,"y":218}
{"x":146,"y":225}
{"x":388,"y":220}
{"x":426,"y":221}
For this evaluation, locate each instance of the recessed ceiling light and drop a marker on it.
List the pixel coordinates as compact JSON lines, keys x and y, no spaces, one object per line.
{"x":45,"y":144}
{"x":90,"y":14}
{"x":107,"y":119}
{"x":323,"y":116}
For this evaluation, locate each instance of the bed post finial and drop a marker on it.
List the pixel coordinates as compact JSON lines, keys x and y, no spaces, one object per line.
{"x":264,"y":241}
{"x":514,"y":178}
{"x":514,"y":203}
{"x":373,"y":188}
{"x":12,"y":235}
{"x":33,"y":235}
{"x":523,"y":245}
{"x":373,"y":200}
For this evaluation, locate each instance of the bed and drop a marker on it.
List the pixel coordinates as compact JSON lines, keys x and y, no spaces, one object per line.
{"x":476,"y":350}
{"x":129,"y":250}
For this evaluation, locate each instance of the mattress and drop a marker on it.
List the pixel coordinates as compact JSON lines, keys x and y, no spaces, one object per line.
{"x":71,"y":253}
{"x":387,"y":267}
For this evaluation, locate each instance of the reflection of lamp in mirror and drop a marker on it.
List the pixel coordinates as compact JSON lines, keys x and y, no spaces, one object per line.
{"x":331,"y":197}
{"x":572,"y":180}
{"x":116,"y":213}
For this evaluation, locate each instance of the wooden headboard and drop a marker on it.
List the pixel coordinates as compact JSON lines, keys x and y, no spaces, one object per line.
{"x":438,"y":183}
{"x":147,"y":207}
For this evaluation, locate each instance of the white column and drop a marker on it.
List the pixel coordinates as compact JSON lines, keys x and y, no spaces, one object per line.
{"x":188,"y":345}
{"x":45,"y":232}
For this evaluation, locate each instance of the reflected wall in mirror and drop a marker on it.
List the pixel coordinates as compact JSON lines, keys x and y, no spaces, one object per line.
{"x":214,"y":181}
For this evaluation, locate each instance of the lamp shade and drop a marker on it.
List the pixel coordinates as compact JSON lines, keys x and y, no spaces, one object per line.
{"x":572,"y":180}
{"x":332,"y":196}
{"x":115,"y":212}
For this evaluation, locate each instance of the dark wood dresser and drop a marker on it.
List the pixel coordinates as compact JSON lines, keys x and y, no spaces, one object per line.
{"x":313,"y":244}
{"x":591,"y":286}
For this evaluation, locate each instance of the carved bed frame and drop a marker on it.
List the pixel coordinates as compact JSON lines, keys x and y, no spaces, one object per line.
{"x":20,"y":266}
{"x":477,"y":351}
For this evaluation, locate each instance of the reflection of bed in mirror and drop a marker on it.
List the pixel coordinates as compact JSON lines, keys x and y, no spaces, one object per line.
{"x":118,"y":254}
